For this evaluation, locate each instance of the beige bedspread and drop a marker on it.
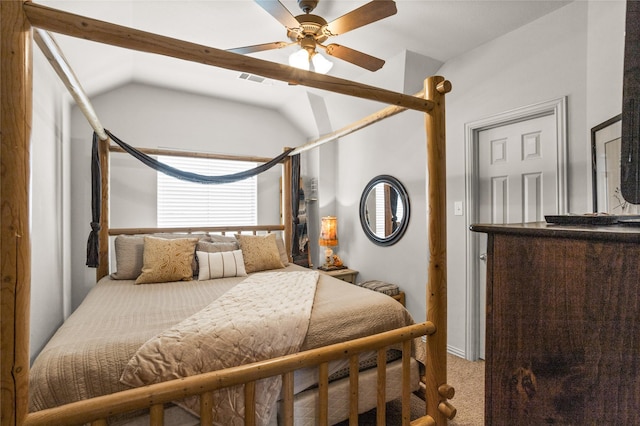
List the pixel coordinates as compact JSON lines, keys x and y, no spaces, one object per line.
{"x":92,"y":348}
{"x":263,"y":317}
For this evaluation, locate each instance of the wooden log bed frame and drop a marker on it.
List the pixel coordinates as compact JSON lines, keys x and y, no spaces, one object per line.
{"x":18,"y":20}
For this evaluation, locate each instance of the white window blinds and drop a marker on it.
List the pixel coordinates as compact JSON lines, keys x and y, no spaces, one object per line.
{"x":381,"y":210}
{"x":182,"y":203}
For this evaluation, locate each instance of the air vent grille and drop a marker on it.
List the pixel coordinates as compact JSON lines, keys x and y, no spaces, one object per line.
{"x":251,"y":77}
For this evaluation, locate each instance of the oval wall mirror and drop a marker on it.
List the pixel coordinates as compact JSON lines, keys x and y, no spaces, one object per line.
{"x":384,"y":210}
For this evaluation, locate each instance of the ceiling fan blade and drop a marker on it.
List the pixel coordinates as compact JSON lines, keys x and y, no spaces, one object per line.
{"x":259,"y":47}
{"x":278,"y":11}
{"x":370,"y":12}
{"x":355,"y":57}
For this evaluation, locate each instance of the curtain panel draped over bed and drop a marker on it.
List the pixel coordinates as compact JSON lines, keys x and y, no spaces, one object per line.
{"x":96,"y":187}
{"x":93,"y":244}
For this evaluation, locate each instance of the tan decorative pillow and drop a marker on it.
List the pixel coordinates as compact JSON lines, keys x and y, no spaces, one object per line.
{"x":221,"y":264}
{"x":201,"y":238}
{"x":260,"y":252}
{"x":167,"y":260}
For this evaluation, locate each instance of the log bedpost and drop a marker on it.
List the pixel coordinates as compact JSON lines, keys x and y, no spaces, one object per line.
{"x":287,"y":212}
{"x":436,"y":362}
{"x":103,"y":235}
{"x":16,"y":93}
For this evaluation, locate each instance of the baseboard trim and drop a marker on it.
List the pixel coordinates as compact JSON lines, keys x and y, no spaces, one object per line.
{"x":456,"y":351}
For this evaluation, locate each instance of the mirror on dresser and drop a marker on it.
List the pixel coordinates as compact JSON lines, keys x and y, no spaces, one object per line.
{"x":384,"y":210}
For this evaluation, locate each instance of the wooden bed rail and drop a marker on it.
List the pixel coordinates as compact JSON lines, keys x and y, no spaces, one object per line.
{"x":87,"y":28}
{"x":96,"y":410}
{"x":192,"y":154}
{"x":222,"y":230}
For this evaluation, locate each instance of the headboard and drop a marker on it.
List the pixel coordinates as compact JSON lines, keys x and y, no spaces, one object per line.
{"x":104,"y":151}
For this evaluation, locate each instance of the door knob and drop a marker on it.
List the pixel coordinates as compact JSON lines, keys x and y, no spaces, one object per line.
{"x":483,"y":257}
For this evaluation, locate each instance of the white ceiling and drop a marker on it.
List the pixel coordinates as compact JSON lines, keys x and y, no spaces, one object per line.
{"x":437,"y":29}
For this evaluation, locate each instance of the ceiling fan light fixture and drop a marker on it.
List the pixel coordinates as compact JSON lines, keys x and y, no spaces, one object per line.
{"x":321,"y":64}
{"x":303,"y":60}
{"x":299,"y":59}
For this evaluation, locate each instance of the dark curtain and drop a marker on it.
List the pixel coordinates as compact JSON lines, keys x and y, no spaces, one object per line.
{"x":93,"y":244}
{"x":193,"y":177}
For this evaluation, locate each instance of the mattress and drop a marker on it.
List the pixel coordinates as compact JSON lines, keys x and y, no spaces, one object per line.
{"x":305,"y":404}
{"x":91,"y":349}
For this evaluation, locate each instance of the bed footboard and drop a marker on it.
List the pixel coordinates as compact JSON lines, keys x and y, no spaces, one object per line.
{"x":153,"y":397}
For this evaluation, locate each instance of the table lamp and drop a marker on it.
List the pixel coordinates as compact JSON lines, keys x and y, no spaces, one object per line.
{"x":329,"y":238}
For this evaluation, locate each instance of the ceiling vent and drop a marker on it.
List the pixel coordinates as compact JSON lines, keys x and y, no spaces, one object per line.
{"x":251,"y":77}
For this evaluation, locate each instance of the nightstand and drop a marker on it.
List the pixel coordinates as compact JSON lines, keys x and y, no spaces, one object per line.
{"x":345,"y":274}
{"x":400,"y":298}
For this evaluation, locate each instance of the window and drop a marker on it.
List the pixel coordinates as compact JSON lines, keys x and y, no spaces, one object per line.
{"x":182,"y":203}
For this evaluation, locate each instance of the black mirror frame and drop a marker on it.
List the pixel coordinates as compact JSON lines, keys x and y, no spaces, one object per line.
{"x":404,"y":196}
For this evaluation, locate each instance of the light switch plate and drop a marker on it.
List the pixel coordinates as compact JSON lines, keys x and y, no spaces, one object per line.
{"x":457,"y":208}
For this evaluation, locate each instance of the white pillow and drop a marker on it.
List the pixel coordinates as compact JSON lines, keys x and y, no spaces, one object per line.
{"x":220,"y":265}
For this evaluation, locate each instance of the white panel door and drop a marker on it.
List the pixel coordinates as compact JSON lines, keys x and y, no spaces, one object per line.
{"x":518,"y":181}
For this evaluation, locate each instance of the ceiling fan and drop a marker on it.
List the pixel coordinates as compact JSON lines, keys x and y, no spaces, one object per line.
{"x":311,"y":31}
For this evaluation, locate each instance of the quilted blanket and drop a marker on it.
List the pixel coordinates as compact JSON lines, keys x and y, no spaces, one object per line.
{"x":265,"y":316}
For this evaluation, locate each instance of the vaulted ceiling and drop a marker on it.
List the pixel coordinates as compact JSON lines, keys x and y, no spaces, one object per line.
{"x":436,"y":29}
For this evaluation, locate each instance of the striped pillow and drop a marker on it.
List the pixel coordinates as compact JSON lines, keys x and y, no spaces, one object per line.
{"x":220,"y":265}
{"x":381,"y":287}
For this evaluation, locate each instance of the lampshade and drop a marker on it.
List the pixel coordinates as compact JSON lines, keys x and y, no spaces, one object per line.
{"x":320,"y":64}
{"x":299,"y":59}
{"x":329,"y":231}
{"x":317,"y":62}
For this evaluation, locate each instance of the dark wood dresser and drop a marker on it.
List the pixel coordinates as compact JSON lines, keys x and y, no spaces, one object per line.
{"x":563,"y":325}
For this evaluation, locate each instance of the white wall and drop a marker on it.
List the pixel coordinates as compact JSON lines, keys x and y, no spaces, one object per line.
{"x":542,"y":61}
{"x":574,"y":52}
{"x":151,"y":117}
{"x":49,"y":194}
{"x":397,"y":147}
{"x":605,"y":52}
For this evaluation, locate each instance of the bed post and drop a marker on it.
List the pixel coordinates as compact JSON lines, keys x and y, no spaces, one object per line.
{"x":286,"y":205}
{"x":103,"y":235}
{"x":16,"y":92}
{"x":438,"y":408}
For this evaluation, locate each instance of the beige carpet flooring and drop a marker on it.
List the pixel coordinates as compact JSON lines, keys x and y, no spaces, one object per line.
{"x":468,"y":380}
